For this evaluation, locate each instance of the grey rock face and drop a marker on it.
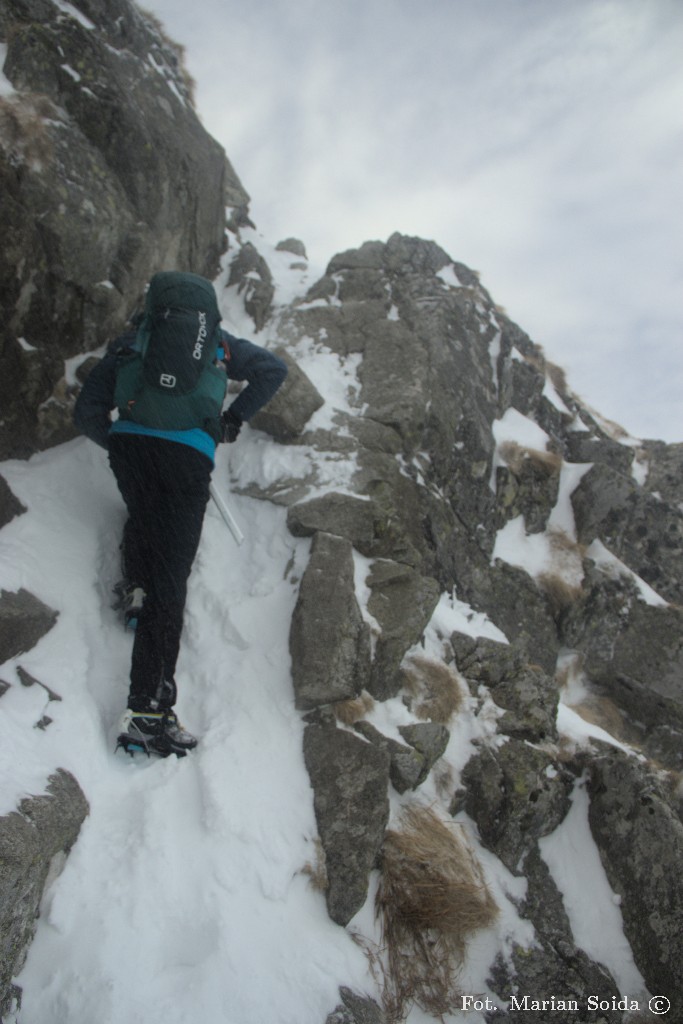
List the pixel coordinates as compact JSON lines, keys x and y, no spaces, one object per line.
{"x":341,"y":514}
{"x":147,"y":190}
{"x":328,"y":640}
{"x":408,"y":767}
{"x":373,"y":525}
{"x":553,"y":965}
{"x":583,"y":446}
{"x":293,"y":245}
{"x":423,"y":362}
{"x":403,"y":602}
{"x":633,"y":652}
{"x":250,"y":272}
{"x":527,"y":693}
{"x":642,"y":530}
{"x":31,"y":840}
{"x":286,"y":415}
{"x":516,"y":795}
{"x":564,"y":975}
{"x":24,"y":620}
{"x":482,"y":660}
{"x":664,"y":470}
{"x":518,"y":607}
{"x":398,"y":524}
{"x":640,"y":839}
{"x":529,"y":488}
{"x":429,"y":739}
{"x":439,"y":365}
{"x":350,"y":779}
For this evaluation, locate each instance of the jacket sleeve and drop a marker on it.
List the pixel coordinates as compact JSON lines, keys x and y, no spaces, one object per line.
{"x":263,"y":371}
{"x":96,"y":399}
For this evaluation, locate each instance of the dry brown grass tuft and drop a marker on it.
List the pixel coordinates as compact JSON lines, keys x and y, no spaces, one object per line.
{"x":515,"y":454}
{"x":559,"y":593}
{"x":443,"y":774}
{"x":558,"y":379}
{"x":563,"y":583}
{"x":561,"y":542}
{"x":434,"y":687}
{"x":603,"y":712}
{"x":432,"y":896}
{"x":351,"y":711}
{"x":317,"y":871}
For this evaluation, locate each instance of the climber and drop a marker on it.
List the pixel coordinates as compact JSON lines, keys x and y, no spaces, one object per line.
{"x":167,"y":377}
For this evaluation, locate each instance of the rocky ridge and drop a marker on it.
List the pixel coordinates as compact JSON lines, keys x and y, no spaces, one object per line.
{"x":429,"y":497}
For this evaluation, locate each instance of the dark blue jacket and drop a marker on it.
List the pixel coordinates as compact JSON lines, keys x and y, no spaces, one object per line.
{"x":245,"y":361}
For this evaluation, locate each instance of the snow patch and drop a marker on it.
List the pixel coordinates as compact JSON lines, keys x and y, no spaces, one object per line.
{"x":73,"y":12}
{"x":593,"y":910}
{"x":6,"y":87}
{"x":551,"y":393}
{"x":70,"y":71}
{"x":448,"y":275}
{"x":603,"y":557}
{"x":516,"y":428}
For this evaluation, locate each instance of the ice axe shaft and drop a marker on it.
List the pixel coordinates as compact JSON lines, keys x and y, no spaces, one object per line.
{"x":226,"y":515}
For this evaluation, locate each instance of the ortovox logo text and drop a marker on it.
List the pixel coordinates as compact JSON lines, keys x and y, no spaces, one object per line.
{"x":201,"y":337}
{"x":167,"y":380}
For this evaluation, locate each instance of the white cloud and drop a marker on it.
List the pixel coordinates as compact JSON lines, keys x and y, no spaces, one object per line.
{"x":539,"y":143}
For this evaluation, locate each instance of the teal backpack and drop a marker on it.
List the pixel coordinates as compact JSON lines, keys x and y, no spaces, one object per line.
{"x":170,"y":379}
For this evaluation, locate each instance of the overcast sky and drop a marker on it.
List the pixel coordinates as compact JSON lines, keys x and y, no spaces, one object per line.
{"x":539,"y":142}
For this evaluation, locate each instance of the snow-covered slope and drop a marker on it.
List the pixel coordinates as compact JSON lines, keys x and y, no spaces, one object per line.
{"x":187,"y":895}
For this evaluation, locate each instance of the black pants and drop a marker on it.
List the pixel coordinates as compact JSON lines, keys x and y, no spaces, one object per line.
{"x":165,"y":486}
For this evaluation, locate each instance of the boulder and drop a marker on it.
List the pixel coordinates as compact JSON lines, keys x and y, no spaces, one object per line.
{"x":341,"y":514}
{"x":328,"y":640}
{"x":398,"y":528}
{"x":514,"y":602}
{"x":34,"y":840}
{"x":24,"y":620}
{"x":528,"y":694}
{"x":250,"y":273}
{"x":528,"y":486}
{"x":293,"y":245}
{"x":350,"y":781}
{"x":402,"y":601}
{"x":516,"y":794}
{"x":483,"y":660}
{"x":408,"y":767}
{"x":356,"y":1009}
{"x":429,"y":739}
{"x":286,"y":415}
